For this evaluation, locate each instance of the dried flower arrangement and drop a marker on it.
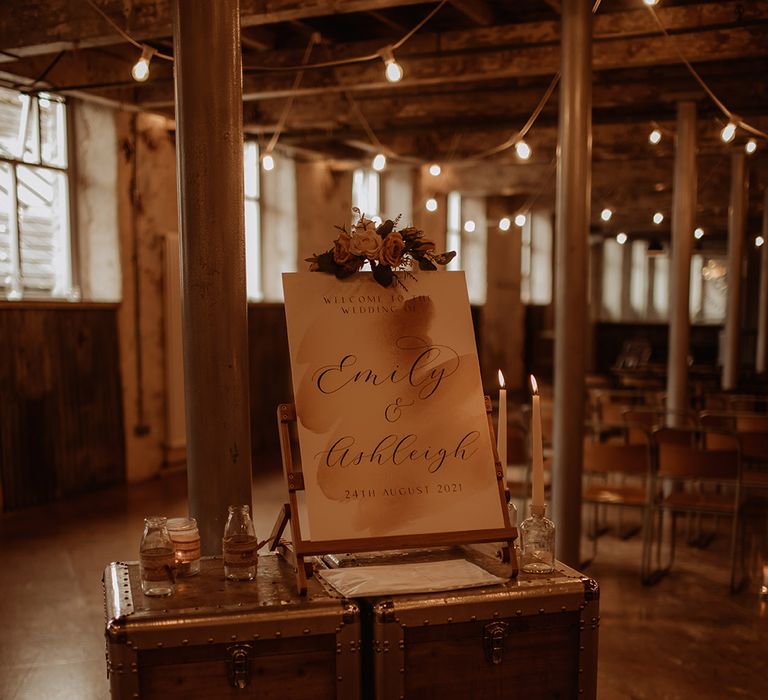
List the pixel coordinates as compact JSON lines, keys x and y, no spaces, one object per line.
{"x":387,"y":250}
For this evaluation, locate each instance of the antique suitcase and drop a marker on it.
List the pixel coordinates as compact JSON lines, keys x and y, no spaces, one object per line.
{"x":217,"y":639}
{"x":534,"y":637}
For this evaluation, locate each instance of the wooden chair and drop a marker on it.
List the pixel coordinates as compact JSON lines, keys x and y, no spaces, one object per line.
{"x":752,"y":429}
{"x":619,"y":475}
{"x":692,"y":478}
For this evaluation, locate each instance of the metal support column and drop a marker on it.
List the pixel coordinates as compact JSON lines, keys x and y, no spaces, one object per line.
{"x":683,"y":222}
{"x":736,"y":227}
{"x":572,"y":231}
{"x":209,"y":123}
{"x":761,"y":363}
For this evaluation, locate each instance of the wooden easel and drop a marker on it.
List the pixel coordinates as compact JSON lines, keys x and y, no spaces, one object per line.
{"x":296,"y":551}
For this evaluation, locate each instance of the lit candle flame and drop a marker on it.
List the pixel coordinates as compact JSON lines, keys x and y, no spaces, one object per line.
{"x":502,"y":383}
{"x":534,"y":386}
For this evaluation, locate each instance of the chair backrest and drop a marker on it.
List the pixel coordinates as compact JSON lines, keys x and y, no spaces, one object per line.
{"x":680,"y":454}
{"x":611,"y":457}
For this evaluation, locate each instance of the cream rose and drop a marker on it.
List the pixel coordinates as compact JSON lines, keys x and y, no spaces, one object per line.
{"x":366,"y":243}
{"x":341,"y":248}
{"x":392,"y":250}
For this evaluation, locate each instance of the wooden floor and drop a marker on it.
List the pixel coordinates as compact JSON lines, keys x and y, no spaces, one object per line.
{"x":682,"y":639}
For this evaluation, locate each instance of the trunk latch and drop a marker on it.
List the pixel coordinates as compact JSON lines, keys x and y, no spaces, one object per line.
{"x":494,"y":634}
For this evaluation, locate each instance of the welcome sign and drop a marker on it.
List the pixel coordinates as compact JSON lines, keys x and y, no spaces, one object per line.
{"x":392,"y":426}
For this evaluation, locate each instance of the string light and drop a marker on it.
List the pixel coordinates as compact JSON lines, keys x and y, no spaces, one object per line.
{"x":728,"y":132}
{"x":435,"y":170}
{"x":523,"y":150}
{"x":751,"y":146}
{"x":520,"y":220}
{"x":698,"y":233}
{"x":504,"y":223}
{"x":655,"y":136}
{"x":431,"y":204}
{"x":268,"y":162}
{"x":140,"y":70}
{"x":393,"y":70}
{"x":379,"y":162}
{"x":606,"y":214}
{"x":759,"y":241}
{"x":658,"y":217}
{"x":621,"y":238}
{"x":469,"y":226}
{"x":651,"y":3}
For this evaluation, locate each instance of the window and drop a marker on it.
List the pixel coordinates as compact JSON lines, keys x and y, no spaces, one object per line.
{"x":366,"y":194}
{"x":35,"y":248}
{"x":254,"y":282}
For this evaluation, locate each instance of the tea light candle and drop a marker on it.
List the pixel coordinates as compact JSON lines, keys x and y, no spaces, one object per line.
{"x":501,"y":432}
{"x":536,"y":446}
{"x":186,"y":543}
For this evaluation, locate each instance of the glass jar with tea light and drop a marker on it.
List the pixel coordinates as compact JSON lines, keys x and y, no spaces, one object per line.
{"x":186,"y":543}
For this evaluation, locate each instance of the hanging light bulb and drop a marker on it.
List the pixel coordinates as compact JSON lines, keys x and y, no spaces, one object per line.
{"x":651,"y":3}
{"x":504,"y":223}
{"x":520,"y":220}
{"x":698,"y":233}
{"x":728,"y":132}
{"x":431,"y":204}
{"x":268,"y":162}
{"x":658,"y":217}
{"x":606,"y":214}
{"x":523,"y":150}
{"x":379,"y":162}
{"x":469,"y":226}
{"x":140,"y":70}
{"x":655,"y":136}
{"x":393,"y":70}
{"x":621,"y":238}
{"x":750,"y":146}
{"x":435,"y":170}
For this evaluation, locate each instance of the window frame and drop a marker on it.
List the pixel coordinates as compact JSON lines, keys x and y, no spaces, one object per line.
{"x":15,"y":292}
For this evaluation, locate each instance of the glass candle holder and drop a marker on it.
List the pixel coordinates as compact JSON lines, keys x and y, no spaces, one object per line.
{"x":537,"y":533}
{"x":186,"y":544}
{"x":240,"y":545}
{"x":156,"y":558}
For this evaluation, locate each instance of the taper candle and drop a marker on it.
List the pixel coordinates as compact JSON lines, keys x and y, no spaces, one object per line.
{"x":537,"y":452}
{"x":501,"y":431}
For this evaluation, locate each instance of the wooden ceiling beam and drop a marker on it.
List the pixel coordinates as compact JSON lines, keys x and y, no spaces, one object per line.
{"x":479,"y":11}
{"x":33,"y":27}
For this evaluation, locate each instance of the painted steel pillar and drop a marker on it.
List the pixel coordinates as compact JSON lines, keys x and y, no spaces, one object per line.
{"x":761,"y":363}
{"x":683,"y":223}
{"x":736,"y":228}
{"x":574,"y":172}
{"x":209,"y":129}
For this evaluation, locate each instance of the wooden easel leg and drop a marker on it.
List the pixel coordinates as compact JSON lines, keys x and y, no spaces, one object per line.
{"x":280,"y":524}
{"x":509,"y":556}
{"x":301,"y":575}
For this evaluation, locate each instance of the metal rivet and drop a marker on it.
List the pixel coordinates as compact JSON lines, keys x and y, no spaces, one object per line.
{"x":495,"y":614}
{"x":306,"y":630}
{"x":339,"y":678}
{"x":278,"y":634}
{"x":541,"y":611}
{"x":426,"y":622}
{"x":518,"y":612}
{"x":402,"y":670}
{"x":185,"y":641}
{"x":210,"y":640}
{"x":450,"y":619}
{"x":563,"y":608}
{"x":233,"y":637}
{"x":255,"y":635}
{"x":473,"y":618}
{"x":159,"y":644}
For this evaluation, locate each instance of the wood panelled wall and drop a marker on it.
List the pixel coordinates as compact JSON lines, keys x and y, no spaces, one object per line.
{"x":61,"y":428}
